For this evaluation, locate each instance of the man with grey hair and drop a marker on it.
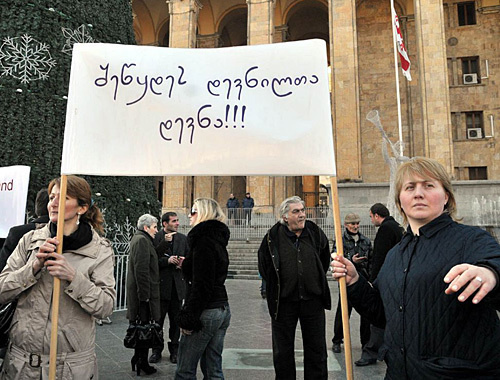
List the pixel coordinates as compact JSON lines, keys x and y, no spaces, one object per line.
{"x":293,"y":259}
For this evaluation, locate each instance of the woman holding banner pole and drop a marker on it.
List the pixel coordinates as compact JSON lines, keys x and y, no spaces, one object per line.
{"x":438,"y":293}
{"x":85,"y":271}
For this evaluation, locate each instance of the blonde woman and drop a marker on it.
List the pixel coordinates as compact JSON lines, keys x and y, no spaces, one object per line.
{"x":437,"y":292}
{"x":205,"y":316}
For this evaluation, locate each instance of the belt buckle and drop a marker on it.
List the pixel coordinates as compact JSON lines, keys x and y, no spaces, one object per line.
{"x":38,"y":360}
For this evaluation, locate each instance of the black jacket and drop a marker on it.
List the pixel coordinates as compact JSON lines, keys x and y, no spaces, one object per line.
{"x":15,"y":234}
{"x":269,"y":264}
{"x":363,"y":247}
{"x":169,"y":274}
{"x":205,"y":271}
{"x":428,"y":334}
{"x":388,"y":235}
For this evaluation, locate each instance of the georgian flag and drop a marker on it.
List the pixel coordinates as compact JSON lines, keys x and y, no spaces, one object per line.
{"x":403,"y":55}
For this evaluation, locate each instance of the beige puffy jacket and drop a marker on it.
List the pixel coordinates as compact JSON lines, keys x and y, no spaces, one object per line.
{"x":90,"y":295}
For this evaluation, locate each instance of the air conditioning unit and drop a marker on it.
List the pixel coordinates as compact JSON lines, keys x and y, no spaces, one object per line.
{"x":470,"y":78}
{"x":474,"y":133}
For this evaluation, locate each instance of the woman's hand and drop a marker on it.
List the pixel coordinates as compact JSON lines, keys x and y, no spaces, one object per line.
{"x":186,"y":332}
{"x":341,"y":267}
{"x":56,"y":264}
{"x":48,"y":247}
{"x":474,"y":278}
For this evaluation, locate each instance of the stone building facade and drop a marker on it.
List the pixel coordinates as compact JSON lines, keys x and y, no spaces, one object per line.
{"x":450,"y":111}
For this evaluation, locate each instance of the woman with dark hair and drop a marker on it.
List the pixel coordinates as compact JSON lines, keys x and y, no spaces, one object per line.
{"x":87,"y":289}
{"x":205,"y":316}
{"x":429,"y":333}
{"x":143,"y":285}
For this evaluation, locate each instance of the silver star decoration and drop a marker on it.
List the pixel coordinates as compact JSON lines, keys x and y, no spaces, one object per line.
{"x":79,"y":35}
{"x":25,"y":58}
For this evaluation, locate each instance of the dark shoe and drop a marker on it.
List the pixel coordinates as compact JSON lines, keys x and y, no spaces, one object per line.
{"x":143,"y":366}
{"x":364,"y":362}
{"x":134,"y":361}
{"x":336,"y":348}
{"x":155,"y":357}
{"x":173,"y":358}
{"x":263,"y":295}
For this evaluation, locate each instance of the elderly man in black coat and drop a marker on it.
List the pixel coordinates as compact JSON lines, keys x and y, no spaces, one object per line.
{"x":171,"y":248}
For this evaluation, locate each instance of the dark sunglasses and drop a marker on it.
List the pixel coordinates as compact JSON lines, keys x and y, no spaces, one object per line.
{"x":193,"y":211}
{"x":354,"y":223}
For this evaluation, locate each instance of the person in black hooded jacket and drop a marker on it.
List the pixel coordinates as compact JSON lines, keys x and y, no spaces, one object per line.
{"x":205,"y":315}
{"x":430,"y":333}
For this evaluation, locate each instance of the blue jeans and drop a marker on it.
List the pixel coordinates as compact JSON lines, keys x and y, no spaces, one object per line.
{"x":205,"y":345}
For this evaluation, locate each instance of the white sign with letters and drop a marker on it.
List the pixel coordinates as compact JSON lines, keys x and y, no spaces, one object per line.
{"x":249,"y":110}
{"x":14,"y":181}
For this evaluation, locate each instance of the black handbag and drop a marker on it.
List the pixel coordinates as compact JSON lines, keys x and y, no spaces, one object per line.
{"x":147,"y":335}
{"x":6,"y":313}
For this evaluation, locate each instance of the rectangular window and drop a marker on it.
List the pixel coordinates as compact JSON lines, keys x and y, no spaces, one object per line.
{"x":470,"y":70}
{"x":474,"y":125}
{"x":466,"y":13}
{"x":478,"y":172}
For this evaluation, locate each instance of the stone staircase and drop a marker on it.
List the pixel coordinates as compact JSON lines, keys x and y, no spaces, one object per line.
{"x":243,"y":262}
{"x":243,"y":259}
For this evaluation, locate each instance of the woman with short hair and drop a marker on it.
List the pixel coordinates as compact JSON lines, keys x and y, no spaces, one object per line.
{"x":143,"y":285}
{"x":430,"y":333}
{"x":205,"y":315}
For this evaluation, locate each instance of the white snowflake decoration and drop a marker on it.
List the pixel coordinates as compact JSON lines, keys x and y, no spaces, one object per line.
{"x":78,"y":35}
{"x":25,"y":58}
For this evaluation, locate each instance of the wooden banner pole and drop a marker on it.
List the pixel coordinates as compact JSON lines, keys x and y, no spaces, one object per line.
{"x":342,"y":283}
{"x":57,"y":283}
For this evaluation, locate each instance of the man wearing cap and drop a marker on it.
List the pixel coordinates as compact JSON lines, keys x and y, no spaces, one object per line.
{"x":357,"y":248}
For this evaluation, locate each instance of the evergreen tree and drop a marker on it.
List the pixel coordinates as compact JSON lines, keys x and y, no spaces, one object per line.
{"x":36,"y":39}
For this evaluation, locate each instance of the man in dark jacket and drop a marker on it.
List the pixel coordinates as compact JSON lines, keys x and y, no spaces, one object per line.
{"x":358,"y":249}
{"x":171,"y":248}
{"x":388,"y":235}
{"x":247,"y":205}
{"x":17,"y":232}
{"x":293,"y":259}
{"x":232,"y":205}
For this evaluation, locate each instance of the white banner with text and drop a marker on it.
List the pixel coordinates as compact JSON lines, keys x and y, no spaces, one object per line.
{"x":14,"y":181}
{"x":248,"y":110}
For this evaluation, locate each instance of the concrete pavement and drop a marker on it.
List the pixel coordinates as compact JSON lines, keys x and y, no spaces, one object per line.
{"x":247,"y":347}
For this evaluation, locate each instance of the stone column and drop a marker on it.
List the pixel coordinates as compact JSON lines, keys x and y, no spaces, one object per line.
{"x":260,"y":31}
{"x":183,"y":21}
{"x":345,"y":89}
{"x":260,"y":21}
{"x":433,"y":81}
{"x":178,"y":191}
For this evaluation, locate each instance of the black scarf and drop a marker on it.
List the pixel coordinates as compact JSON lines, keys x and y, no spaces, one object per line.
{"x":82,"y":236}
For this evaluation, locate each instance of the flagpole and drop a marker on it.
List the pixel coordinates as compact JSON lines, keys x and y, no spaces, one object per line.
{"x":400,"y":127}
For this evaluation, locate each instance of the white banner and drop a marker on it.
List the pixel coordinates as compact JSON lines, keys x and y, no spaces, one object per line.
{"x":249,"y":110}
{"x":14,"y":181}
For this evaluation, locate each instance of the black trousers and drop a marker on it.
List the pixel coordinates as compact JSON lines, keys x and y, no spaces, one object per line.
{"x":364,"y":328}
{"x":172,"y":308}
{"x":311,"y":315}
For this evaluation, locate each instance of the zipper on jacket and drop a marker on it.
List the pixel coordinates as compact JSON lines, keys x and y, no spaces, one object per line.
{"x":407,"y":269}
{"x":277,"y":274}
